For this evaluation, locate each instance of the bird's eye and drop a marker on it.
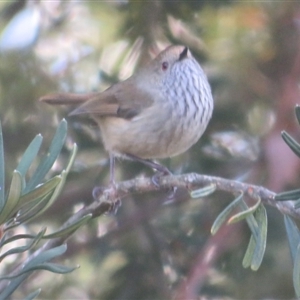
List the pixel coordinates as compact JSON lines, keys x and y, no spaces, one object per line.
{"x":164,"y":66}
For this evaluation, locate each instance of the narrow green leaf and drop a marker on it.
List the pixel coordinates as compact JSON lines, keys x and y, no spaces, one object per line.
{"x":245,"y":213}
{"x":289,"y":195}
{"x":32,"y":295}
{"x":38,"y":209}
{"x":45,"y":256}
{"x":17,"y":237}
{"x":49,"y":159}
{"x":297,"y":204}
{"x":41,"y":198}
{"x":13,"y":196}
{"x":12,"y":286}
{"x":3,"y":239}
{"x":53,"y":197}
{"x":9,"y":277}
{"x":57,"y":268}
{"x":24,"y":248}
{"x":2,"y":170}
{"x":203,"y":192}
{"x":58,"y":188}
{"x":296,"y":272}
{"x":293,"y":235}
{"x":257,"y":244}
{"x":247,"y":260}
{"x":40,"y":191}
{"x":39,"y":259}
{"x":30,"y":211}
{"x":29,"y":155}
{"x":262,"y":221}
{"x":27,"y":213}
{"x":73,"y":227}
{"x":31,"y":200}
{"x":52,"y":267}
{"x":72,"y":158}
{"x":297,"y":111}
{"x":224,"y":215}
{"x":251,"y":221}
{"x":295,"y":147}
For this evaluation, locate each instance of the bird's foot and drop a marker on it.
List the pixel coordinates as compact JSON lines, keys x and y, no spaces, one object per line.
{"x":171,"y":191}
{"x":112,"y":193}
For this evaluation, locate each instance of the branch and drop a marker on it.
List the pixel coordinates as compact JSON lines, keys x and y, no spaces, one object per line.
{"x":106,"y":201}
{"x":191,"y":181}
{"x":194,"y":181}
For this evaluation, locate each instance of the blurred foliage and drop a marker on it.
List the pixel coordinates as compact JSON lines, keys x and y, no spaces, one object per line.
{"x":26,"y":199}
{"x":250,"y":52}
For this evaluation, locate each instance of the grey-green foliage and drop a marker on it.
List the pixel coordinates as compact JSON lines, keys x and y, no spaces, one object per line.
{"x":256,"y":218}
{"x":290,"y":226}
{"x":294,"y":244}
{"x":257,"y":221}
{"x":40,"y":262}
{"x":27,"y":199}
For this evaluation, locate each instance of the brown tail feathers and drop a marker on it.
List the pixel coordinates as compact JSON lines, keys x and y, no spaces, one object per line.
{"x":66,"y":98}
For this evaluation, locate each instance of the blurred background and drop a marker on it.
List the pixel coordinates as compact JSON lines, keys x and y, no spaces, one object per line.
{"x":250,"y":51}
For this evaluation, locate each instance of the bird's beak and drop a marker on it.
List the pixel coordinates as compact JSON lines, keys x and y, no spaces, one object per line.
{"x":184,"y":53}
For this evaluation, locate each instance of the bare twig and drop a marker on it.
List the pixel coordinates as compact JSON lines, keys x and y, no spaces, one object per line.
{"x":193,"y":181}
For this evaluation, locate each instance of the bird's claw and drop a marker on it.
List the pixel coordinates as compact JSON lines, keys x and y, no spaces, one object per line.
{"x":171,"y":192}
{"x":115,"y":204}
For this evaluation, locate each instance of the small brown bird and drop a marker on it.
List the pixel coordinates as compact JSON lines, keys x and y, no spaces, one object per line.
{"x":159,"y":112}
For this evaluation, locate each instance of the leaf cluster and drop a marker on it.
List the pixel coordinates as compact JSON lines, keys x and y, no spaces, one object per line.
{"x":28,"y":198}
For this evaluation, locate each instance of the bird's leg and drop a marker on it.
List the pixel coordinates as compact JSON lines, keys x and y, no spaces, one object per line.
{"x":111,"y":169}
{"x":98,"y":190}
{"x":161,"y":171}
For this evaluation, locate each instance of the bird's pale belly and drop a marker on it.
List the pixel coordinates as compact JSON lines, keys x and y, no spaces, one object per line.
{"x":149,"y":138}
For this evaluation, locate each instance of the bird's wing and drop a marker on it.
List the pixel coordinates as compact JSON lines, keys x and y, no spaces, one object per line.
{"x":117,"y":101}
